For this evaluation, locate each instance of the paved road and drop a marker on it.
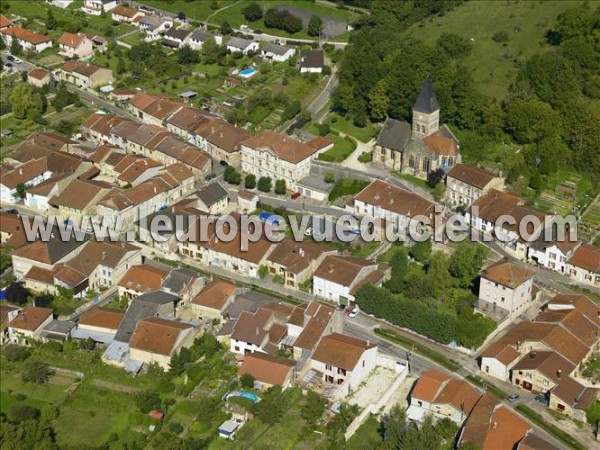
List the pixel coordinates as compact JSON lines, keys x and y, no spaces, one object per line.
{"x":323,"y":98}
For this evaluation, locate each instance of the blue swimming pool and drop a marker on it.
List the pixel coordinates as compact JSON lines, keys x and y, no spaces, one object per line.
{"x":248,"y":72}
{"x":249,"y":395}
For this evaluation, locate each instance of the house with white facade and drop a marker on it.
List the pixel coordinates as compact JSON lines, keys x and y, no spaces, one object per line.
{"x":175,"y":38}
{"x":441,"y":396}
{"x":84,"y":75}
{"x":339,"y":277}
{"x":126,"y":14}
{"x":505,"y":288}
{"x":199,"y":37}
{"x":498,"y":214}
{"x":60,"y":3}
{"x":466,"y":183}
{"x":344,"y":361}
{"x":251,"y":332}
{"x":213,"y":198}
{"x":74,"y":45}
{"x":155,"y":340}
{"x":311,"y":61}
{"x":28,"y":174}
{"x":393,"y":206}
{"x":155,"y":27}
{"x":240,"y":45}
{"x":28,"y":324}
{"x":97,"y":7}
{"x":550,"y":252}
{"x":277,"y":53}
{"x":28,"y":40}
{"x":39,"y":77}
{"x":584,"y":265}
{"x":239,"y":254}
{"x":277,"y":156}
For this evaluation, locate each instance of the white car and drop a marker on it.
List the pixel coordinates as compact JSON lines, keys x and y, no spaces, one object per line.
{"x":17,"y":60}
{"x":352,"y":314}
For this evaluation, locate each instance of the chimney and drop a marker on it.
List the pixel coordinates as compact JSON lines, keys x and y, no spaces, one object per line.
{"x":331,"y":268}
{"x":257,"y":331}
{"x":558,"y":373}
{"x":533,"y":355}
{"x":495,"y":424}
{"x":103,"y":255}
{"x":20,"y":171}
{"x":301,"y":252}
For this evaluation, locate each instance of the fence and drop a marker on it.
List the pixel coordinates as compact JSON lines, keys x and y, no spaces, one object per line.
{"x":375,"y":408}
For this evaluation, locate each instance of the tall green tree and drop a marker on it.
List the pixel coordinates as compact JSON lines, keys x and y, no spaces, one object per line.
{"x":280,"y":187}
{"x":315,"y":25}
{"x":25,"y":98}
{"x":466,"y":262}
{"x":252,"y":12}
{"x":51,"y":23}
{"x":399,"y":263}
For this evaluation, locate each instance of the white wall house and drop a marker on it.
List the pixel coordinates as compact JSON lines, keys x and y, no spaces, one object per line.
{"x":273,"y":155}
{"x":154,"y":27}
{"x":30,"y":173}
{"x":506,"y":286}
{"x":344,"y":361}
{"x":239,"y":45}
{"x":28,"y":40}
{"x":97,"y":7}
{"x":277,"y":53}
{"x":199,"y":37}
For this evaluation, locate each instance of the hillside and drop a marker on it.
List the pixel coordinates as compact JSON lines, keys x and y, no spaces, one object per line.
{"x":495,"y":64}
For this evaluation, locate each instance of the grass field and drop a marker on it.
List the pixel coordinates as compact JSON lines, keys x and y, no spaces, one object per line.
{"x":343,"y":125}
{"x":231,"y":11}
{"x":494,"y":65}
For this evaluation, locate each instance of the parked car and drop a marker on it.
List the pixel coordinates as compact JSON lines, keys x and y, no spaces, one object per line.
{"x":17,"y":60}
{"x":12,"y":211}
{"x":352,"y":314}
{"x":513,"y":398}
{"x":210,"y":176}
{"x":223,"y":163}
{"x":542,"y":399}
{"x":10,"y":57}
{"x":295,"y":195}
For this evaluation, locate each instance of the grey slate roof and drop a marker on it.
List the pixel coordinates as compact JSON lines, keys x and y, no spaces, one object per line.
{"x":238,"y":43}
{"x":159,"y":297}
{"x":276,"y":49}
{"x":212,"y":193}
{"x":201,"y":35}
{"x":178,"y":279}
{"x":177,"y":33}
{"x":312,"y":58}
{"x":394,"y":135}
{"x":316,"y":182}
{"x":426,"y":101}
{"x":57,"y":248}
{"x":59,"y":326}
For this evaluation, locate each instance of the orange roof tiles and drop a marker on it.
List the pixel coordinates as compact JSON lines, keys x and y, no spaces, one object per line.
{"x":30,"y":318}
{"x":71,"y":40}
{"x":283,"y":147}
{"x":586,"y":257}
{"x":215,"y":294}
{"x":156,"y":335}
{"x":26,"y":35}
{"x":143,"y":278}
{"x":267,"y":369}
{"x":339,"y":350}
{"x":471,"y":175}
{"x":102,"y":317}
{"x":507,"y":274}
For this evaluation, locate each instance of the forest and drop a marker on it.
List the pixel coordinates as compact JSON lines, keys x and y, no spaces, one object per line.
{"x":550,"y":115}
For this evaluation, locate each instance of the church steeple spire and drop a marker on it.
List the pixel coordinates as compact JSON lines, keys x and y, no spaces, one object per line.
{"x":426,"y":111}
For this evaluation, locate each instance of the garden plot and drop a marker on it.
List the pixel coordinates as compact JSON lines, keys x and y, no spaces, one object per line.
{"x":372,"y":389}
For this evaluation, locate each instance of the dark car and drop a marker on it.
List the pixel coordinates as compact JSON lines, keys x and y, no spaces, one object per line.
{"x":9,"y":65}
{"x":12,"y":211}
{"x":10,"y":57}
{"x":542,"y":399}
{"x":210,"y":176}
{"x":295,"y":195}
{"x":223,"y":163}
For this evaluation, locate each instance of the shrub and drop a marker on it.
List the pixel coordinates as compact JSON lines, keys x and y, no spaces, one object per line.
{"x":175,"y":428}
{"x":264,"y":184}
{"x":250,"y":181}
{"x":324,"y":129}
{"x":329,"y":177}
{"x":36,"y":372}
{"x":23,"y":413}
{"x":247,"y":381}
{"x":366,"y":157}
{"x":501,"y":36}
{"x":280,"y":187}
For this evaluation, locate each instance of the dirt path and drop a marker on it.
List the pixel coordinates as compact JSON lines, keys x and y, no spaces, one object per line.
{"x":116,"y":387}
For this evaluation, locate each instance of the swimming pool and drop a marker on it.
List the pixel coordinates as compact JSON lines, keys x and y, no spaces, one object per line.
{"x":248,"y":72}
{"x":249,"y":395}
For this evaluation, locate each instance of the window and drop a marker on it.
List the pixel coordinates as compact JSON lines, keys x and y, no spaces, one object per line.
{"x":327,"y":367}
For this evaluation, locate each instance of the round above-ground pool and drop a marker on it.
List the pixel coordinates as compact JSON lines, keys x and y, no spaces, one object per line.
{"x":249,"y":395}
{"x":248,"y":72}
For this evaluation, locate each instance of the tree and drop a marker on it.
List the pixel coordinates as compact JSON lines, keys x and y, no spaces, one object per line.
{"x":121,"y":66}
{"x":64,"y":97}
{"x":290,"y":111}
{"x":247,"y":381}
{"x":399,"y":263}
{"x":280,"y":187}
{"x":51,"y":23}
{"x":212,"y":52}
{"x":226,"y":28}
{"x":5,"y":259}
{"x":250,"y":181}
{"x":66,"y":127}
{"x":454,"y":45}
{"x":532,"y":120}
{"x":421,"y":250}
{"x":315,"y":24}
{"x":23,"y":413}
{"x":147,"y":401}
{"x":15,"y":48}
{"x":263,"y":270}
{"x":232,"y":176}
{"x":2,"y":45}
{"x":13,"y":353}
{"x":179,"y":361}
{"x":187,"y":56}
{"x":21,"y":191}
{"x":313,"y":408}
{"x":25,"y":98}
{"x":36,"y":372}
{"x":439,"y":192}
{"x":264,"y":184}
{"x":435,"y":177}
{"x":438,"y":273}
{"x":27,"y":435}
{"x":379,"y":100}
{"x":329,"y":177}
{"x":466,"y":262}
{"x":252,"y":12}
{"x":17,"y":293}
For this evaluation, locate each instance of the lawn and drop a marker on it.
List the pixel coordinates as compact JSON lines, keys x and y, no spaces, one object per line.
{"x":197,"y":10}
{"x":494,"y":65}
{"x":367,"y":436}
{"x":344,"y":125}
{"x":340,"y":151}
{"x":92,"y":414}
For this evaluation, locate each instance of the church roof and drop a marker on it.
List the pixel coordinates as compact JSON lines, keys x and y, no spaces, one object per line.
{"x":426,"y":101}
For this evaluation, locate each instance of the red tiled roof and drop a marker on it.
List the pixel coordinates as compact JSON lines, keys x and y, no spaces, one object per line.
{"x":26,"y":35}
{"x":266,"y":368}
{"x":30,"y":318}
{"x":342,"y":351}
{"x":71,"y":40}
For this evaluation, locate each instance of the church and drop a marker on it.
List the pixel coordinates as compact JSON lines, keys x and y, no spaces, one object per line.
{"x":422,"y":148}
